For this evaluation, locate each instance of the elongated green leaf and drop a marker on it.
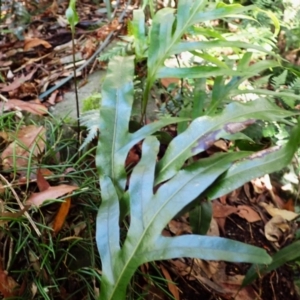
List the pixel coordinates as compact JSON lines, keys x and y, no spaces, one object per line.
{"x":226,"y":10}
{"x":198,"y":72}
{"x":260,"y":163}
{"x":139,"y":32}
{"x":151,"y":212}
{"x":160,"y":36}
{"x":115,"y":140}
{"x":207,"y":71}
{"x":205,"y":45}
{"x":208,"y":248}
{"x":200,"y":217}
{"x":204,"y":131}
{"x":288,"y":253}
{"x":107,"y":227}
{"x":185,"y":13}
{"x":117,"y":99}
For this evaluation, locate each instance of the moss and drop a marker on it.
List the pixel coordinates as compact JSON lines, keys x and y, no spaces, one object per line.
{"x":92,"y":102}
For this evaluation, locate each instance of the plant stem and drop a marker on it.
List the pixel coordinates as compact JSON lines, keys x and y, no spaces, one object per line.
{"x":76,"y":92}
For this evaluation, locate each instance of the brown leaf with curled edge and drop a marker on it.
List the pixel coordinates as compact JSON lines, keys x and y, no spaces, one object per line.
{"x":248,"y":213}
{"x":277,"y":230}
{"x":19,"y":81}
{"x":29,"y":142}
{"x":15,"y":104}
{"x":61,"y":215}
{"x":273,"y":211}
{"x":172,"y":286}
{"x":34,"y":42}
{"x":53,"y":192}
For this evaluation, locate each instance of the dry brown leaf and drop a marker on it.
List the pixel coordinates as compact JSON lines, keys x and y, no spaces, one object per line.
{"x":132,"y":158}
{"x":8,"y":286}
{"x":222,"y":211}
{"x":167,"y":81}
{"x":289,"y":205}
{"x":61,"y":215}
{"x":34,"y":42}
{"x":213,"y":228}
{"x":248,"y":213}
{"x":52,"y":99}
{"x":231,"y":284}
{"x":15,"y":104}
{"x":53,"y":192}
{"x":19,"y":81}
{"x":222,"y":145}
{"x":172,"y":287}
{"x":179,"y":228}
{"x":276,"y":229}
{"x":30,"y":141}
{"x":209,"y":267}
{"x":181,"y":268}
{"x":42,"y":183}
{"x":273,"y":211}
{"x":89,"y":48}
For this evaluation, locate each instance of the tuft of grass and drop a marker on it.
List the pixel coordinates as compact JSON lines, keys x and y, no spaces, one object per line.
{"x":61,"y":266}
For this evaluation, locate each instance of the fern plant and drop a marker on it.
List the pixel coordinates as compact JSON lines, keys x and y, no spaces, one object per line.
{"x":177,"y":187}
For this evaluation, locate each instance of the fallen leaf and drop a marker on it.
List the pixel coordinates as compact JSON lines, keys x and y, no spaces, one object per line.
{"x":248,"y":213}
{"x":18,"y":81}
{"x":276,"y":229}
{"x":15,"y":104}
{"x":132,"y":158}
{"x":42,"y":183}
{"x":53,"y":192}
{"x":289,"y":205}
{"x":273,"y":211}
{"x":231,"y":284}
{"x":167,"y":81}
{"x":29,"y":142}
{"x":179,"y":228}
{"x":34,"y":42}
{"x":61,"y":215}
{"x":8,"y":286}
{"x":222,"y":211}
{"x":172,"y":286}
{"x":213,"y":228}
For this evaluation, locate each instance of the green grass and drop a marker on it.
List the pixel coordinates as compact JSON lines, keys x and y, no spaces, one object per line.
{"x":65,"y":266}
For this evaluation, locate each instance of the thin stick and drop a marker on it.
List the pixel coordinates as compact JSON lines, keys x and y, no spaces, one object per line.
{"x":21,"y":205}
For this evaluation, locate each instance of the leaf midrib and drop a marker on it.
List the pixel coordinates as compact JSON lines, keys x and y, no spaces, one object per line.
{"x":149,"y":225}
{"x":212,"y":129}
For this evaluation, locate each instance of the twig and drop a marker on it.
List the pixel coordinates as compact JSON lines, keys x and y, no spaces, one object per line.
{"x":21,"y":205}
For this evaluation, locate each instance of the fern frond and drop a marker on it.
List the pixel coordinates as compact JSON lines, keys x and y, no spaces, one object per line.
{"x":295,"y":85}
{"x":121,"y":49}
{"x":279,"y":80}
{"x":90,"y":119}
